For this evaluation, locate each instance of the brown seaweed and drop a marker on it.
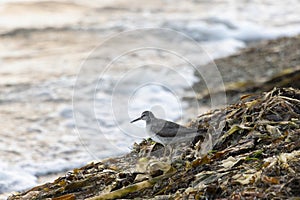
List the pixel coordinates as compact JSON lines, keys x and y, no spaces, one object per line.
{"x":256,"y":155}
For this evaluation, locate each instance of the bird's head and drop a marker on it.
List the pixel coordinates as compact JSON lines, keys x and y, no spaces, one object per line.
{"x":146,"y":115}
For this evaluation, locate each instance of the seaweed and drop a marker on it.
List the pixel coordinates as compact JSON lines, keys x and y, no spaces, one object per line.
{"x":255,"y":155}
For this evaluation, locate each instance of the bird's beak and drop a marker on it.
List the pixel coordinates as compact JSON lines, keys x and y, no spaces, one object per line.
{"x":136,"y":119}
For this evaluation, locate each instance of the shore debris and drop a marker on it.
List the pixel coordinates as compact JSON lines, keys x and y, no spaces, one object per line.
{"x":255,"y":155}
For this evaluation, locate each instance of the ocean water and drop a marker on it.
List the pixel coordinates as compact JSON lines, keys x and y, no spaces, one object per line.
{"x":72,"y":78}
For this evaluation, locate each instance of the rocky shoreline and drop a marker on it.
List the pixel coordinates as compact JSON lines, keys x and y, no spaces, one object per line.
{"x":256,"y":155}
{"x":260,"y":67}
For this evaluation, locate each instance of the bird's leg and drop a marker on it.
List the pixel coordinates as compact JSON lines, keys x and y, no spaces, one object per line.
{"x":165,"y":151}
{"x":171,"y":152}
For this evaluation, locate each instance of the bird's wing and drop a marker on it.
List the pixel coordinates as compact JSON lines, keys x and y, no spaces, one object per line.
{"x":165,"y":128}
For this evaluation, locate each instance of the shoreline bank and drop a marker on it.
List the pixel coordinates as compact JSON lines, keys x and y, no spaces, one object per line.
{"x":255,"y":153}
